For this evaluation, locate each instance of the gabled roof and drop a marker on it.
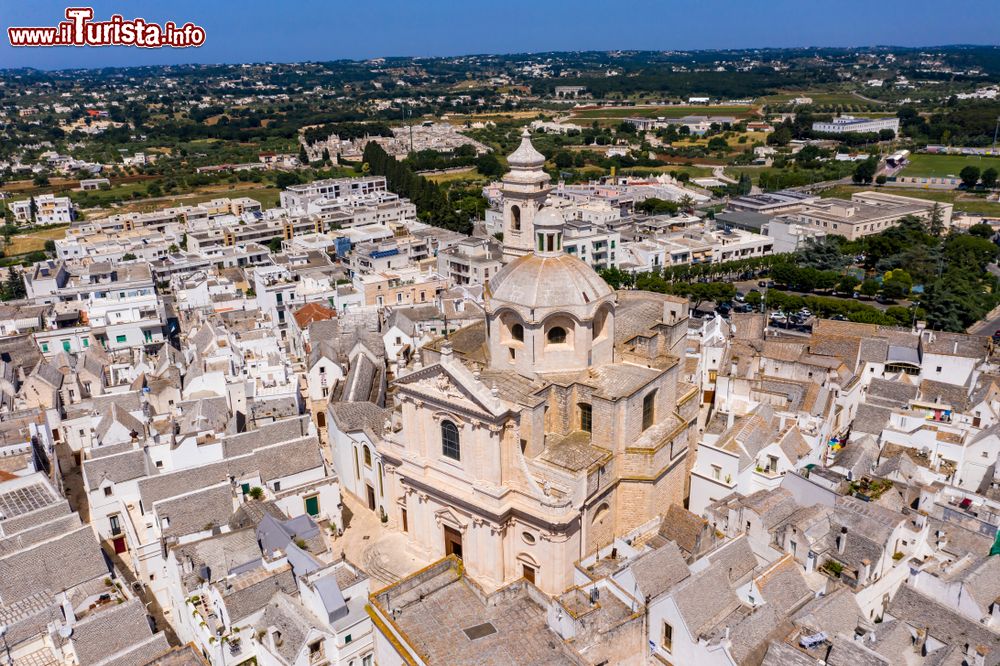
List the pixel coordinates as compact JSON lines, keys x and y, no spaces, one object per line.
{"x":705,"y":598}
{"x":784,"y":587}
{"x":659,"y":570}
{"x":942,"y":623}
{"x":118,"y":415}
{"x":56,"y":565}
{"x":117,"y":468}
{"x":683,"y":528}
{"x":49,"y":374}
{"x":108,"y":633}
{"x":311,"y":312}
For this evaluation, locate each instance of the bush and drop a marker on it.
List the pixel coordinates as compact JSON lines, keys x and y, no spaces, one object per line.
{"x":256,"y":493}
{"x":834,"y":567}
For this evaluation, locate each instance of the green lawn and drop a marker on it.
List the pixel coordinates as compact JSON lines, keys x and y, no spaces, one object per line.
{"x":665,"y":111}
{"x":937,"y":166}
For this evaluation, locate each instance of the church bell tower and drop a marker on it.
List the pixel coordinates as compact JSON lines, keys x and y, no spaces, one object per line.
{"x":525,"y":188}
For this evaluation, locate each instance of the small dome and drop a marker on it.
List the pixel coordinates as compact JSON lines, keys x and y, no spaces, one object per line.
{"x":549,"y":218}
{"x":544,"y":283}
{"x":526,"y":157}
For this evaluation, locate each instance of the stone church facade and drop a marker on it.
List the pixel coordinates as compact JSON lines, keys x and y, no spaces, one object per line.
{"x":527,"y":441}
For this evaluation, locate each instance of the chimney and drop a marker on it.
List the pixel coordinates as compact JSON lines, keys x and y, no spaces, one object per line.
{"x":919,"y":642}
{"x":864,"y":571}
{"x":979,"y":659}
{"x":842,"y":540}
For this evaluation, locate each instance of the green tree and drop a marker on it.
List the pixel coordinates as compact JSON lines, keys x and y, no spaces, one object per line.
{"x":935,"y":225}
{"x":969,"y":175}
{"x":303,"y":156}
{"x":864,"y":172}
{"x":13,"y":287}
{"x":989,"y":178}
{"x":847,"y":284}
{"x":982,"y":230}
{"x":563,"y":160}
{"x":881,"y":179}
{"x":617,"y":278}
{"x":274,"y":245}
{"x":744,"y":185}
{"x":488,"y":165}
{"x":780,"y":137}
{"x":869,"y":287}
{"x":128,"y":256}
{"x":896,"y":284}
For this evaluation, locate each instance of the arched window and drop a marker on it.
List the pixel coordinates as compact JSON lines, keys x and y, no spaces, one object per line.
{"x":515,"y":218}
{"x":600,"y":322}
{"x":517,"y":332}
{"x":648,"y":410}
{"x":367,"y":453}
{"x":381,"y":486}
{"x":602,"y":512}
{"x":556,"y":335}
{"x":450,"y":446}
{"x":586,"y":417}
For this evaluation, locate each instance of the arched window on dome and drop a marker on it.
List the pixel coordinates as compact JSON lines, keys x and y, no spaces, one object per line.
{"x":515,"y":218}
{"x":601,"y":324}
{"x":450,"y":445}
{"x":556,"y":335}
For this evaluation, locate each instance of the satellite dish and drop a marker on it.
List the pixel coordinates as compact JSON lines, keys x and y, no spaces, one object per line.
{"x":65,"y":631}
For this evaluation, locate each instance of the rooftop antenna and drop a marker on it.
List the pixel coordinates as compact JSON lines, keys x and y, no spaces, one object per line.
{"x":995,"y":131}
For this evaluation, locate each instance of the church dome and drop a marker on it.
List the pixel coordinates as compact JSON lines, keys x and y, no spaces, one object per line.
{"x":526,"y":156}
{"x":540,"y":285}
{"x":549,"y":218}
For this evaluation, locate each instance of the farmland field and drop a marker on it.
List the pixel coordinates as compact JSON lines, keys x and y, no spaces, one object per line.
{"x":33,"y":241}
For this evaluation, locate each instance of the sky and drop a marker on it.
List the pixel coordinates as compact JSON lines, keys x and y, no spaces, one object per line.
{"x":302,"y":30}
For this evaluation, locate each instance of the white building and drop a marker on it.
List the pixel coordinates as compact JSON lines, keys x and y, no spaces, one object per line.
{"x":43,"y":209}
{"x":844,"y":124}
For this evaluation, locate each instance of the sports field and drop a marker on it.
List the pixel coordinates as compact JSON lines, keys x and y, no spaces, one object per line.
{"x":939,"y":166}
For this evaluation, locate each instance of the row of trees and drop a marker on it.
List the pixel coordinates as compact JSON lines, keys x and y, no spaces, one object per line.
{"x":971,"y":177}
{"x":433,"y":205}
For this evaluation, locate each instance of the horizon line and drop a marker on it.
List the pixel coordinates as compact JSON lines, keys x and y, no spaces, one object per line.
{"x":487,"y":54}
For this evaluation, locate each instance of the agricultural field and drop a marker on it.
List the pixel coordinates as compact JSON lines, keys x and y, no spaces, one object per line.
{"x":938,"y":166}
{"x":818,"y":98}
{"x":267,"y":196}
{"x":33,"y":241}
{"x":454,"y":175}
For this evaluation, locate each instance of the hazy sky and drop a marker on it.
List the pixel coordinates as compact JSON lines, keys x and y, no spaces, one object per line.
{"x":294,"y":30}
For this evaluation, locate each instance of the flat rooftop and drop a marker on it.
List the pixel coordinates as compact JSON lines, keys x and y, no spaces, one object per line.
{"x":449,"y":620}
